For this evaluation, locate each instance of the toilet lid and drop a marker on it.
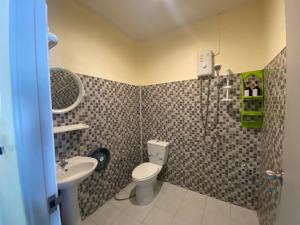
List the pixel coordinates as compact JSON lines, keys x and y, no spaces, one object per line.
{"x":145,"y":170}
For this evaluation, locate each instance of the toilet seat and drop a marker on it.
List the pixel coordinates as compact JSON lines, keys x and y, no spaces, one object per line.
{"x":145,"y":171}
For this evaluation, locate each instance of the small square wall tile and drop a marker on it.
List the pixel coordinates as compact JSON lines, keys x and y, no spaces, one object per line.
{"x":111,"y":109}
{"x":272,"y":135}
{"x":224,"y":164}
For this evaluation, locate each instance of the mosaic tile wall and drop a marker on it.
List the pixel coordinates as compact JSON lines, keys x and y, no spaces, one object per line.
{"x":111,"y":110}
{"x":272,"y":136}
{"x":225,"y":165}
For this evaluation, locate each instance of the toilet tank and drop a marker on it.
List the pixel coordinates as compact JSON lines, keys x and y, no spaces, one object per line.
{"x":158,"y":151}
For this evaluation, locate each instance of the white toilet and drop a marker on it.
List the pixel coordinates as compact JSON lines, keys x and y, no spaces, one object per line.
{"x":145,"y":175}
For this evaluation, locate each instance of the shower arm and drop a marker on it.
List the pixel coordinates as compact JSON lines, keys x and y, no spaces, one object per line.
{"x":217,"y":69}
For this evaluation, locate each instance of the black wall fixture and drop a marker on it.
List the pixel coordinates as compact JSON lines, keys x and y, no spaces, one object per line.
{"x":102,"y":155}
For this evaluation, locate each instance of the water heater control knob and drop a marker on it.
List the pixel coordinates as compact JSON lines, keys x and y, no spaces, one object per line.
{"x":204,"y":66}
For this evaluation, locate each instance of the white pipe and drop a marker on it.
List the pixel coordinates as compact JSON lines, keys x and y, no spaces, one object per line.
{"x":141,"y":126}
{"x":52,"y":40}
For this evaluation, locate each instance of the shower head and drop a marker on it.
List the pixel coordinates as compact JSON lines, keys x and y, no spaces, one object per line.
{"x":218,"y":67}
{"x":229,"y":72}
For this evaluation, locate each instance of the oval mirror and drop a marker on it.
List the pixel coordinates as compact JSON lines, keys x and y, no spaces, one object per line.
{"x":66,"y":90}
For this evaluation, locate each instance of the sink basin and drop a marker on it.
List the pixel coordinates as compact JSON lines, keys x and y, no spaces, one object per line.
{"x":68,"y":179}
{"x":77,"y":169}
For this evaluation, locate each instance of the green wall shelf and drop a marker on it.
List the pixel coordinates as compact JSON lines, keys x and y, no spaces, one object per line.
{"x":253,"y":97}
{"x":252,"y":113}
{"x":252,"y":106}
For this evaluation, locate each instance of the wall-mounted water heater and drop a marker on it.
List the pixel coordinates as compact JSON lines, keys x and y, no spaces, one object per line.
{"x":206,"y":62}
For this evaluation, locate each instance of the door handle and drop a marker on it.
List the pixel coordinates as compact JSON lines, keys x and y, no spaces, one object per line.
{"x":271,"y":175}
{"x":1,"y":149}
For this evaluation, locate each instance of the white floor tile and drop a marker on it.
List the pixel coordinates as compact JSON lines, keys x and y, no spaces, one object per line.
{"x":124,"y":219}
{"x":170,"y":199}
{"x":180,"y":222}
{"x":217,"y":206}
{"x":174,"y":189}
{"x":213,"y":218}
{"x":243,"y":216}
{"x":138,"y":212}
{"x":122,"y":205}
{"x":158,"y":217}
{"x":163,"y":185}
{"x":173,"y":206}
{"x":88,"y":221}
{"x":191,"y":208}
{"x":106,"y":215}
{"x":160,"y":189}
{"x":130,"y":188}
{"x":194,"y":196}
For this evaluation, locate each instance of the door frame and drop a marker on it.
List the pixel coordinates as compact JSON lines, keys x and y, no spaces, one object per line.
{"x":288,"y":208}
{"x":32,"y":108}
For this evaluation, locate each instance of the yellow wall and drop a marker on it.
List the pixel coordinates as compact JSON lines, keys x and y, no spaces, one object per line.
{"x":251,"y":35}
{"x":89,"y":45}
{"x":274,"y":27}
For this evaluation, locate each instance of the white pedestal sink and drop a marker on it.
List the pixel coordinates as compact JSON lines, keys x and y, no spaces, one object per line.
{"x":68,"y":178}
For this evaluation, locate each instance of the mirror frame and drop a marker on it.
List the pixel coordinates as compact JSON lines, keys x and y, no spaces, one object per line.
{"x":80,"y":96}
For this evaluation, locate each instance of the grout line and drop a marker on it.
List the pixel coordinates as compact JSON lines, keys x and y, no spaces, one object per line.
{"x":141,"y":126}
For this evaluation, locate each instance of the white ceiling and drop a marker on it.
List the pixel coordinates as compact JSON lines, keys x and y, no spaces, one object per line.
{"x":142,"y":19}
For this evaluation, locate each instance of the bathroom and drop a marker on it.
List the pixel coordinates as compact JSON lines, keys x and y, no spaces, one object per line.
{"x":164,"y":112}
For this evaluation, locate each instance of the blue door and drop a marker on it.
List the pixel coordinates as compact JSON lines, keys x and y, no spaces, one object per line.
{"x":27,"y":160}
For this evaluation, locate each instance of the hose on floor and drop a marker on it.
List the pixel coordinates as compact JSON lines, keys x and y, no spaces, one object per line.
{"x":126,"y":198}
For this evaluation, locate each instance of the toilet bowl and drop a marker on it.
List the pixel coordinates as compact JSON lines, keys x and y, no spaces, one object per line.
{"x":145,"y":175}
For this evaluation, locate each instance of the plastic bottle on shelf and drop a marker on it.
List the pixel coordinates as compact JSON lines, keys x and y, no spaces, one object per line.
{"x":256,"y":89}
{"x":248,"y":90}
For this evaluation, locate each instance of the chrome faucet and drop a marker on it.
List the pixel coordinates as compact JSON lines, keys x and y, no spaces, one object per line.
{"x":63,"y":163}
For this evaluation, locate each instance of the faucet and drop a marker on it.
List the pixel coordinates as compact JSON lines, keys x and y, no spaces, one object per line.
{"x":63,"y":163}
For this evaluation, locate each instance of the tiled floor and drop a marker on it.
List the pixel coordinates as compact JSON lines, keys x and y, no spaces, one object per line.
{"x":172,"y":206}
